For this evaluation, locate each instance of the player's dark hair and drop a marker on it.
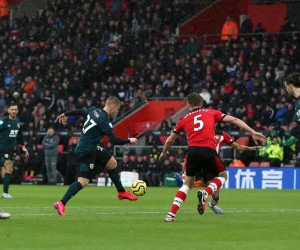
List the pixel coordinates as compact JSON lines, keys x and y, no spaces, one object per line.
{"x":194,"y":100}
{"x":11,"y":104}
{"x":293,"y":79}
{"x":112,"y":100}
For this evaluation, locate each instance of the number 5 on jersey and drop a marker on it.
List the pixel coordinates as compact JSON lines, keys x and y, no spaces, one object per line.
{"x":89,"y":123}
{"x":198,"y":123}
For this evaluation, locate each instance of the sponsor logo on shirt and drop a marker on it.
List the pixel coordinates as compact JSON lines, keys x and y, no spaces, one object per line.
{"x":96,"y":113}
{"x":13,"y":133}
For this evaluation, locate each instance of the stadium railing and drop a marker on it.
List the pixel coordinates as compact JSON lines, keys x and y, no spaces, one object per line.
{"x":206,"y":41}
{"x":226,"y":152}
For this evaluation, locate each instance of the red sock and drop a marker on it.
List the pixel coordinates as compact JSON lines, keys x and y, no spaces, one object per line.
{"x":179,"y":199}
{"x":214,"y":185}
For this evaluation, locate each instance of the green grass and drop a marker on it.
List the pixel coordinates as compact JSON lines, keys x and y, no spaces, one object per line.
{"x":96,"y":219}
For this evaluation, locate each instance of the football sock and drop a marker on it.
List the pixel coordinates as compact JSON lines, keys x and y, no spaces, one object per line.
{"x":214,"y":201}
{"x":72,"y":191}
{"x":179,"y":199}
{"x":6,"y":182}
{"x":214,"y":185}
{"x":115,"y":178}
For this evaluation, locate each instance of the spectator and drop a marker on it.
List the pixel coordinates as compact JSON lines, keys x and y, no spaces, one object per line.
{"x":165,"y":126}
{"x":275,"y":153}
{"x":229,"y":29}
{"x":125,"y":164}
{"x":205,"y":95}
{"x":192,"y":47}
{"x":152,"y":140}
{"x":18,"y":167}
{"x":289,"y":115}
{"x":267,"y":116}
{"x":38,"y":112}
{"x":279,"y":130}
{"x":154,"y":176}
{"x":289,"y":146}
{"x":140,"y":166}
{"x":35,"y":162}
{"x":154,"y":153}
{"x":50,"y":146}
{"x":246,"y":26}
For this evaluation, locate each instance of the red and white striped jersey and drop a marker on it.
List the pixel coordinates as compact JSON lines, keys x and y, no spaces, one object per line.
{"x":220,"y":138}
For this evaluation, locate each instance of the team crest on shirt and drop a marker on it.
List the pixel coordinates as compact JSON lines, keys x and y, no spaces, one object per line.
{"x":18,"y":125}
{"x":6,"y":155}
{"x":217,"y":137}
{"x":91,"y":166}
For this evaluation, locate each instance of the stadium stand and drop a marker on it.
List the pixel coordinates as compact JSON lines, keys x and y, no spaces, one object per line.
{"x":74,"y":55}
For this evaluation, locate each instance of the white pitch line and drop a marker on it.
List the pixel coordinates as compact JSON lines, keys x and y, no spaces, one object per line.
{"x":153,"y":212}
{"x":231,"y":210}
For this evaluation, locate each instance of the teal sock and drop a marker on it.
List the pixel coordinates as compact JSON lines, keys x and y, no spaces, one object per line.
{"x":6,"y":182}
{"x":72,"y":191}
{"x":115,"y":178}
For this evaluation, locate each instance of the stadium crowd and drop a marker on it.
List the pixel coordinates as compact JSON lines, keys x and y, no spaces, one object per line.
{"x":75,"y":54}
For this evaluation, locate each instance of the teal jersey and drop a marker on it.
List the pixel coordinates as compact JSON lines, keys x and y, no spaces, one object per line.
{"x":96,"y":125}
{"x":297,"y":111}
{"x":9,"y":130}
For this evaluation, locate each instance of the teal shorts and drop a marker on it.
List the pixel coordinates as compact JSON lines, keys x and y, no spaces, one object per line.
{"x":92,"y":164}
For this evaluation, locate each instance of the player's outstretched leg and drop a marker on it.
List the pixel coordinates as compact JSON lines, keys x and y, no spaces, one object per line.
{"x":178,"y":200}
{"x":178,"y":179}
{"x":214,"y":200}
{"x":213,"y":186}
{"x":115,"y":178}
{"x":4,"y":215}
{"x":72,"y":191}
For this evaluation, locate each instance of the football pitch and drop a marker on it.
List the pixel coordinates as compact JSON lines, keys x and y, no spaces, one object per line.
{"x":96,"y":219}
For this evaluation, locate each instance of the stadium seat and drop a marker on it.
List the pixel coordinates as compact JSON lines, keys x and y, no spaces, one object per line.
{"x":254,"y":164}
{"x":270,"y":128}
{"x":243,"y":140}
{"x":60,"y":148}
{"x":264,"y":164}
{"x":163,"y":139}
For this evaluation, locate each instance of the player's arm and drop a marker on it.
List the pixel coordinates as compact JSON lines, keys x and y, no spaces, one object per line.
{"x":20,"y":140}
{"x":238,"y":122}
{"x":119,"y":141}
{"x":169,"y":142}
{"x":240,"y":147}
{"x":75,"y":112}
{"x":2,"y":126}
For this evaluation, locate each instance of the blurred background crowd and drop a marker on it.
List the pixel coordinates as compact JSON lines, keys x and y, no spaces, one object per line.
{"x":74,"y":54}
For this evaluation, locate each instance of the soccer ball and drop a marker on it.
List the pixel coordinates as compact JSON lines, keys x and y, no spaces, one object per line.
{"x":139,"y":188}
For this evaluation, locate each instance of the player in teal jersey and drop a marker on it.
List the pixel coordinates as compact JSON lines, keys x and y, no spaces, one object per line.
{"x":10,"y":135}
{"x":292,"y":85}
{"x":91,"y":157}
